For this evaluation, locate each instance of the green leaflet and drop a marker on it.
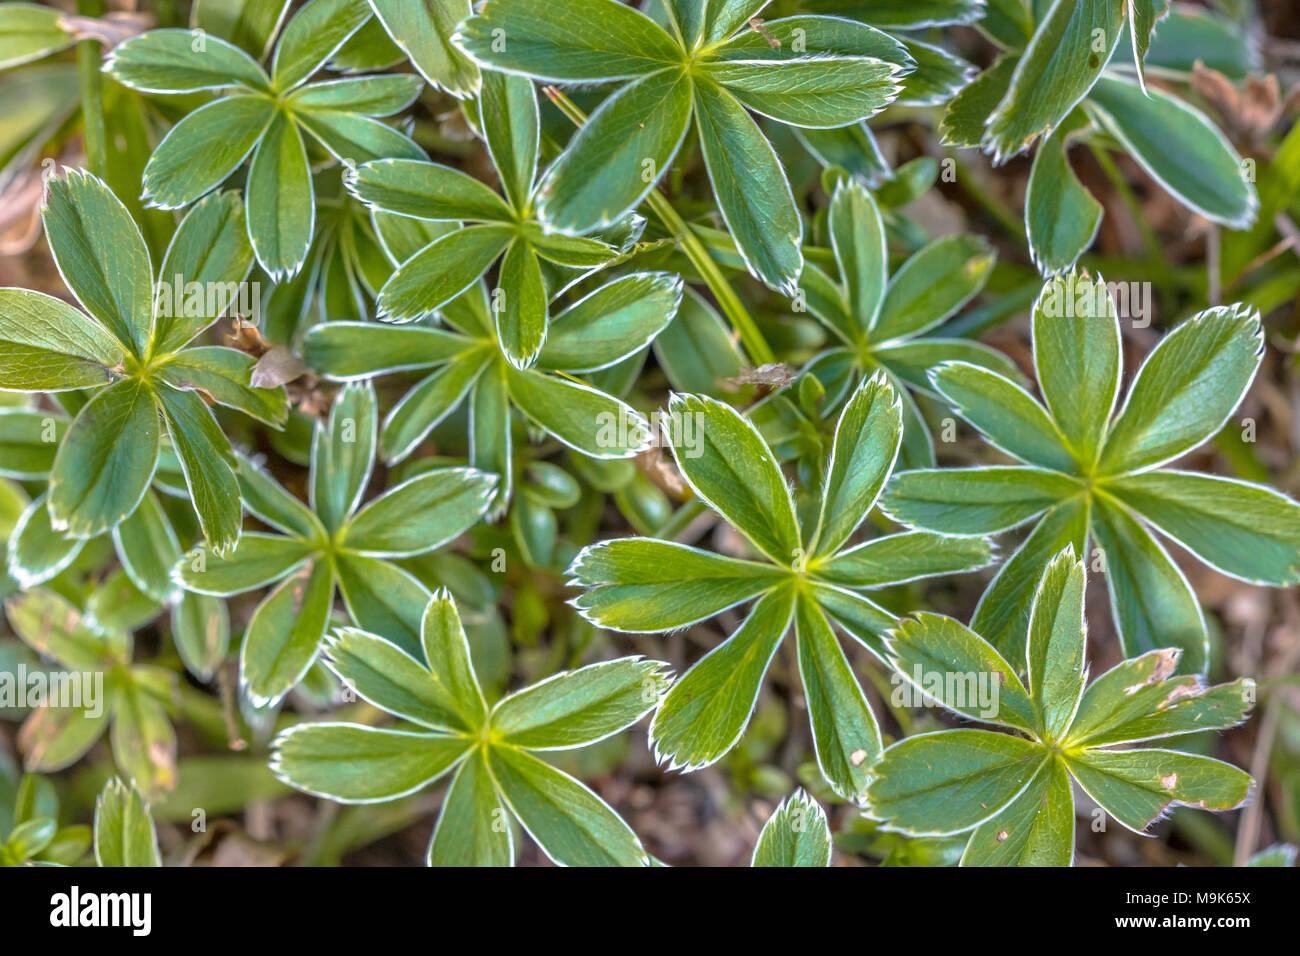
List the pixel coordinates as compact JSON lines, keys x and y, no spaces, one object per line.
{"x":1061,"y":216}
{"x":104,"y":465}
{"x":423,"y":32}
{"x":206,"y":459}
{"x":124,"y":830}
{"x":1180,"y":147}
{"x":352,"y":764}
{"x":183,"y":61}
{"x":707,"y":708}
{"x":796,"y":834}
{"x":28,"y":32}
{"x":281,"y":205}
{"x":1070,"y":48}
{"x":285,"y":632}
{"x":1035,"y":829}
{"x":473,"y":828}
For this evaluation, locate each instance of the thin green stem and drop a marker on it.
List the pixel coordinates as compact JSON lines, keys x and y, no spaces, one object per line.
{"x":760,"y":352}
{"x":89,"y":54}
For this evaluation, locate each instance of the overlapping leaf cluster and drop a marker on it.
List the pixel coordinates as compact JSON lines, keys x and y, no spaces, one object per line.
{"x":471,"y":376}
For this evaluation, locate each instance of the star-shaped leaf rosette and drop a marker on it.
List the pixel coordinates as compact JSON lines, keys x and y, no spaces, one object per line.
{"x":264,"y":116}
{"x":810,"y":576}
{"x":499,"y":228}
{"x":1091,"y":473}
{"x":336,"y":542}
{"x":132,"y":345}
{"x":469,"y":361}
{"x":1012,"y":791}
{"x":886,"y":322}
{"x":491,"y":749}
{"x":708,"y":65}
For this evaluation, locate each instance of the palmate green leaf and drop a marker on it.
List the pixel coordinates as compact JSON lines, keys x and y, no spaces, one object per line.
{"x":903,"y":557}
{"x":707,"y":708}
{"x":36,"y":552}
{"x":148,"y":548}
{"x":1180,"y":148}
{"x":46,"y":345}
{"x":950,"y":780}
{"x":101,"y":256}
{"x":312,"y":36}
{"x":1055,"y":648}
{"x":1035,"y":829}
{"x":28,"y":439}
{"x":751,"y":188}
{"x":867,"y":440}
{"x":577,"y":708}
{"x":285,"y":633}
{"x":280,"y":202}
{"x":639,"y":584}
{"x":1077,"y":356}
{"x":106,"y":461}
{"x":846,"y":738}
{"x":818,"y":93}
{"x":1153,"y":603}
{"x":1061,"y":216}
{"x":1186,"y":389}
{"x":736,"y":474}
{"x":124,"y":830}
{"x":1137,"y":787}
{"x":796,"y":834}
{"x":473,"y":828}
{"x":572,"y":825}
{"x":1005,"y":413}
{"x":1071,"y":47}
{"x":348,"y":763}
{"x":423,"y":32}
{"x":618,"y":155}
{"x":207,"y":461}
{"x":1248,"y":531}
{"x":954,"y":666}
{"x":204,"y":148}
{"x":575,"y":40}
{"x":420,"y":514}
{"x":29,"y":31}
{"x":183,"y":61}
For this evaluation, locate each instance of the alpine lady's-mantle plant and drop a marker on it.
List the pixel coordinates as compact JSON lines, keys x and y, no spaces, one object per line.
{"x":1090,"y":472}
{"x":134,"y":351}
{"x":489,"y":748}
{"x":483,"y":304}
{"x":333,"y":542}
{"x":806,"y":573}
{"x":1012,"y":791}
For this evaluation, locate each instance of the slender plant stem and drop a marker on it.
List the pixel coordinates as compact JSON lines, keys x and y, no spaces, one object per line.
{"x":89,"y":53}
{"x":760,"y":352}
